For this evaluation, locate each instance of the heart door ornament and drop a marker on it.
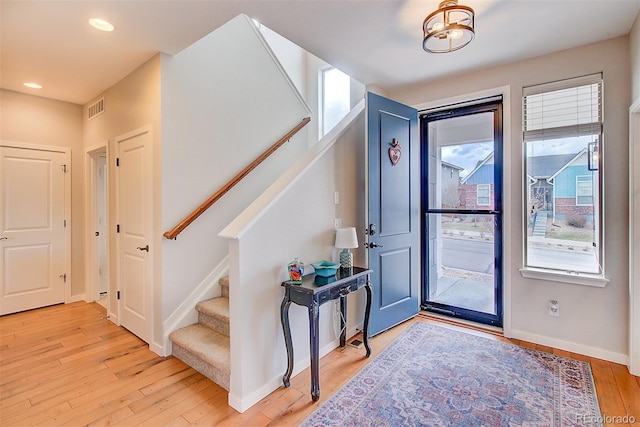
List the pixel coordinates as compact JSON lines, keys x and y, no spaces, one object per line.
{"x":395,"y":152}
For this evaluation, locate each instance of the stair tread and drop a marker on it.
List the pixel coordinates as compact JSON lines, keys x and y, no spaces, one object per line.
{"x":216,"y":307}
{"x":209,"y":345}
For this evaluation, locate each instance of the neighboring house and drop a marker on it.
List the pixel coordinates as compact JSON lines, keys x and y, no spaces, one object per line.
{"x":561,"y":184}
{"x":450,"y":181}
{"x":477,"y":190}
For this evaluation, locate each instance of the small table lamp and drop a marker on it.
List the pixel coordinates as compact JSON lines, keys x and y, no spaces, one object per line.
{"x":346,"y":238}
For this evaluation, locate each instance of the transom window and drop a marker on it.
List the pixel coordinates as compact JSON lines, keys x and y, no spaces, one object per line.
{"x":562,"y":134}
{"x":335,"y":98}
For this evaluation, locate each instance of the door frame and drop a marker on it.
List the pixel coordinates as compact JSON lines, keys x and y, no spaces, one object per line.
{"x":507,"y":187}
{"x":634,"y":227}
{"x":67,"y":203}
{"x":92,"y":287}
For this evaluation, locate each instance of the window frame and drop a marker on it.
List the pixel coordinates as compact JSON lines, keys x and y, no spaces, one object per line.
{"x":488,"y":196}
{"x":540,"y":134}
{"x":590,"y":182}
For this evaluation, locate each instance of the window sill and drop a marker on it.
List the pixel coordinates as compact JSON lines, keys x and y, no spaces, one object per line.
{"x":573,"y":278}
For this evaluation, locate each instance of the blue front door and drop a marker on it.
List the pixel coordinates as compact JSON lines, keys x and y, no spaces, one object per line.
{"x":393,"y":229}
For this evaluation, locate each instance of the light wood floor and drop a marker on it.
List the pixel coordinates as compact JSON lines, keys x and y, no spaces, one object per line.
{"x":66,"y":365}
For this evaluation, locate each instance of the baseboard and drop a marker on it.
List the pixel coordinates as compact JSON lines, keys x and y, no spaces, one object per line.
{"x":76,"y":298}
{"x":573,"y":347}
{"x":186,"y":313}
{"x":241,"y":404}
{"x":158,"y":349}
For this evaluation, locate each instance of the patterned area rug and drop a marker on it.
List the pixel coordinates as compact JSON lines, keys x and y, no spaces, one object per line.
{"x":434,"y":376}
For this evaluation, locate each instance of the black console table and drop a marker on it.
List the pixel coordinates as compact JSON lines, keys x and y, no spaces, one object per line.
{"x":312,"y":293}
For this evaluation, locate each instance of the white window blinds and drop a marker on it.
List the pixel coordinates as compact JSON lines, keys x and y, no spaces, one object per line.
{"x":566,"y":108}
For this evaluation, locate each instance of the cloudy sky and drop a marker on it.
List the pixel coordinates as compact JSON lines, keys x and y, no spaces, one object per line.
{"x":466,"y":156}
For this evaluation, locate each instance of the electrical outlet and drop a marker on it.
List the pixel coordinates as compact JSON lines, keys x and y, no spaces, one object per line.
{"x":337,"y":223}
{"x":554,"y":308}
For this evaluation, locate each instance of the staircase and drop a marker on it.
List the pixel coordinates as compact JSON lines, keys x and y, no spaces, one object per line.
{"x":205,"y":345}
{"x":540,"y":224}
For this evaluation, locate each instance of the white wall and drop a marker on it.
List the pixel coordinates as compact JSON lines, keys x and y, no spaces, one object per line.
{"x":36,"y":120}
{"x":634,"y":51}
{"x":593,"y":320}
{"x":299,"y":224}
{"x":223,"y":104}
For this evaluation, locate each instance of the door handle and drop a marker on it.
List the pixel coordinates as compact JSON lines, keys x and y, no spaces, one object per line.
{"x":373,"y":245}
{"x":4,"y":238}
{"x":146,"y":248}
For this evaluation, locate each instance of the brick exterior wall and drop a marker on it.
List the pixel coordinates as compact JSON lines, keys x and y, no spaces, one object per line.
{"x":469,"y":197}
{"x":567,"y":206}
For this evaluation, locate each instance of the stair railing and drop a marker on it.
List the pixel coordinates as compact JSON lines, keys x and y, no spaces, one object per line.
{"x":173,"y":233}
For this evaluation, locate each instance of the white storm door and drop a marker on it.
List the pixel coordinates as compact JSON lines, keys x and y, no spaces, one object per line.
{"x":135,"y":224}
{"x":32,"y":229}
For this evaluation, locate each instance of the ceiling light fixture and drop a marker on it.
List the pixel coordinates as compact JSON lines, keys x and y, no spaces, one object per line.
{"x":33,"y":85}
{"x":101,"y":24}
{"x":449,"y":28}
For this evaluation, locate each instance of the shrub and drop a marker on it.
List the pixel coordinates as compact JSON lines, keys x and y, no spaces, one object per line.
{"x":578,"y":221}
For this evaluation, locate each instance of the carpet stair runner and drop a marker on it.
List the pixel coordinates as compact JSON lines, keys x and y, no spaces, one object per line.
{"x":205,"y":345}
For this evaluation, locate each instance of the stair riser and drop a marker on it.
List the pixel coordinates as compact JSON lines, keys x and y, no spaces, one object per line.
{"x":212,"y":372}
{"x":218,"y":325}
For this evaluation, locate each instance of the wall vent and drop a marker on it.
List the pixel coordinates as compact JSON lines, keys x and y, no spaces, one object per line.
{"x":96,"y":108}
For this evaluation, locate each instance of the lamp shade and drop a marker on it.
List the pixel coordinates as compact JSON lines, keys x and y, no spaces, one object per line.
{"x":346,"y":238}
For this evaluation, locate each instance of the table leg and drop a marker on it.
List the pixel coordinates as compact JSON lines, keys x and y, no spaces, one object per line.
{"x":343,"y":321}
{"x":284,"y":317}
{"x":367,"y":313}
{"x":314,"y":342}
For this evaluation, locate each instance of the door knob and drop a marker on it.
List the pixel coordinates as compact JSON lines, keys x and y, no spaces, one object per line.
{"x":373,"y":245}
{"x":146,"y":248}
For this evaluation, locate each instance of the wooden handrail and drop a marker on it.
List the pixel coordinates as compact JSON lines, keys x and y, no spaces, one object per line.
{"x":173,"y":233}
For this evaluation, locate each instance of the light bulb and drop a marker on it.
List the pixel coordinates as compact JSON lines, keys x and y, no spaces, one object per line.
{"x":455,"y":34}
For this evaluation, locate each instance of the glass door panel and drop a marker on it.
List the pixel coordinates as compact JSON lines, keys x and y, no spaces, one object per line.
{"x":461,"y":262}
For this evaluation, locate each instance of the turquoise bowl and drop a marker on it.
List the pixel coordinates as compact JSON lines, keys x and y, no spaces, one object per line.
{"x":325,"y":268}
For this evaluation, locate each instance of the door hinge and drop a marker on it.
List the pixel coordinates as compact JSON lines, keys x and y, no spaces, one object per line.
{"x":118,"y":295}
{"x":65,"y":223}
{"x":64,"y":168}
{"x":118,"y":228}
{"x":63,"y":276}
{"x":117,"y":161}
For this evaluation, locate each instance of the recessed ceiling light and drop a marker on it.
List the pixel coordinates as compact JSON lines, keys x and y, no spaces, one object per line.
{"x":33,"y":85}
{"x":101,"y":24}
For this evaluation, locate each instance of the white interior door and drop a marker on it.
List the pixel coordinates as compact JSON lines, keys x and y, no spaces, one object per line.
{"x":32,"y":233}
{"x":101,"y":222}
{"x":135,"y":223}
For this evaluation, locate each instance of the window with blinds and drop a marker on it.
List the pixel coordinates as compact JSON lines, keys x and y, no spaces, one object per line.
{"x":562,"y":135}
